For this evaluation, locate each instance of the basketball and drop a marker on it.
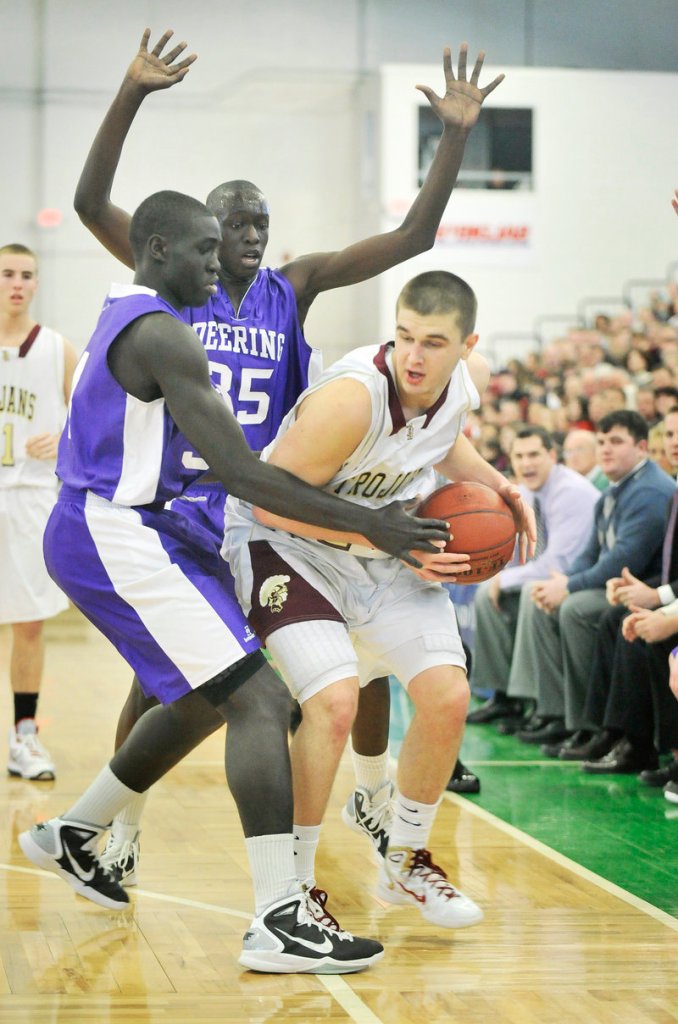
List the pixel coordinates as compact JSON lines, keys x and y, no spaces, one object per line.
{"x":481,"y":523}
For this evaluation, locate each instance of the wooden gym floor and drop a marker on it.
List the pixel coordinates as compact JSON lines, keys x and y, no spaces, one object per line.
{"x":558,"y":943}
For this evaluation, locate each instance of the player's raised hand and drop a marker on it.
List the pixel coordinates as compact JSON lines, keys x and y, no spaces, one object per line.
{"x":460,"y":106}
{"x":152,"y":70}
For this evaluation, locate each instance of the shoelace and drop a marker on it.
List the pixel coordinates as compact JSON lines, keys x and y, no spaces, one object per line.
{"x":316,"y":906}
{"x":378,"y":816}
{"x":35,"y":748}
{"x":423,"y":867}
{"x":114,"y":856}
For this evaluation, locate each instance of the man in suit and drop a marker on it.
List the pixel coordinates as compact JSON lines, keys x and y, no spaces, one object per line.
{"x":629,"y":699}
{"x":562,"y":623}
{"x":563,"y":501}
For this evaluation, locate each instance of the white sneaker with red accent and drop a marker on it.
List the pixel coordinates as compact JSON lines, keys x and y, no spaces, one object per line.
{"x":409,"y":876}
{"x":27,"y":756}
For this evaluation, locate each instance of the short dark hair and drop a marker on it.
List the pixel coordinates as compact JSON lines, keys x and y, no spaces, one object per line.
{"x":628,"y":418}
{"x":535,"y":431}
{"x":666,"y":390}
{"x":439,"y":291}
{"x":221,"y":197}
{"x":163,"y":213}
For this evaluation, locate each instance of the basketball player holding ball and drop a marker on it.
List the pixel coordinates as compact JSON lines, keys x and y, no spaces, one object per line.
{"x":254,"y":302}
{"x":374,"y":427}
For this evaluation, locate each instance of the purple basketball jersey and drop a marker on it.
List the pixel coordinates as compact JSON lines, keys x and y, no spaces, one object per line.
{"x":152,"y":582}
{"x":259,"y":359}
{"x":122,"y":449}
{"x":260,"y":362}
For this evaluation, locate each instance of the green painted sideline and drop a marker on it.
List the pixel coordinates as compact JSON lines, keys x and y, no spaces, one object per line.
{"x":612,"y":825}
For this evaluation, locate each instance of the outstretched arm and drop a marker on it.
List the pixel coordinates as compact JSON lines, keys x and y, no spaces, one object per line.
{"x":148,"y":72}
{"x":160,"y":356}
{"x":458,"y":110}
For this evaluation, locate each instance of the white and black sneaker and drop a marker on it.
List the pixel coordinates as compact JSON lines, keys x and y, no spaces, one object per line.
{"x":296,"y":935}
{"x":68,"y":848}
{"x":371,"y":814}
{"x":121,"y":857}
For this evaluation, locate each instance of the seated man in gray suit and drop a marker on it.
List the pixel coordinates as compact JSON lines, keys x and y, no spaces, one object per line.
{"x":563,"y":501}
{"x":562,"y":624}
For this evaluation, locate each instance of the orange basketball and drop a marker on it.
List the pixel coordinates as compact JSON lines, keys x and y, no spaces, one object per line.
{"x":481,"y":524}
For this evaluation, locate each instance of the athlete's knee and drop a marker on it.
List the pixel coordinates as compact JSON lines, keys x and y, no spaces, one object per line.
{"x":441,"y":693}
{"x":263,"y":696}
{"x":27,"y":632}
{"x":333,"y":709}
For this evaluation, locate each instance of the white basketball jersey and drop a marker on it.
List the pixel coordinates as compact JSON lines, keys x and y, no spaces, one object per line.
{"x":395,"y":460}
{"x":31,"y":402}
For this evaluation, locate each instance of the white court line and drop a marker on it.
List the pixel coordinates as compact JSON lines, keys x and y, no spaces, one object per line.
{"x":347,"y":999}
{"x":194,"y":904}
{"x":552,"y":762}
{"x":562,"y":861}
{"x":340,"y":991}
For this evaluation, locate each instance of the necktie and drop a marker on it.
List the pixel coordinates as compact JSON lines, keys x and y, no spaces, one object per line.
{"x":606,"y":535}
{"x":541,"y":528}
{"x":668,"y":540}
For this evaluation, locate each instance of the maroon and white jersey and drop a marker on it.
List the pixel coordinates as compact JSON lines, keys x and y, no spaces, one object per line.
{"x":31,"y":402}
{"x":395,"y":460}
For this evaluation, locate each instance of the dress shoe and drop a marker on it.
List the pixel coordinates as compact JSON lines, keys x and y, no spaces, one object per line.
{"x":509,"y":726}
{"x":578,"y":738}
{"x":669,"y":773}
{"x":550,"y":730}
{"x":463,"y":780}
{"x":588,"y":746}
{"x":671,"y":792}
{"x":623,"y":759}
{"x":498,"y":706}
{"x":528,"y":724}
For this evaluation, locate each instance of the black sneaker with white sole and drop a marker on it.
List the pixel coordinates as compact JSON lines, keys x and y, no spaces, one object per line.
{"x":68,"y":848}
{"x":296,"y":935}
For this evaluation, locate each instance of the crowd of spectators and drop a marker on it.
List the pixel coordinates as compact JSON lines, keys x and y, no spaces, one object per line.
{"x":617,"y":377}
{"x":629,"y":361}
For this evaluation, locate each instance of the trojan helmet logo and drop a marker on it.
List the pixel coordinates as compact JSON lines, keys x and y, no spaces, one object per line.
{"x":273,"y":593}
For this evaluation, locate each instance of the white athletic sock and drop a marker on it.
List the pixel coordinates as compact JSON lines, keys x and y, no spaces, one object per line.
{"x":272,"y":866}
{"x":99,"y":804}
{"x":127,"y":821}
{"x":371,"y":772}
{"x":412,"y":823}
{"x":306,"y":839}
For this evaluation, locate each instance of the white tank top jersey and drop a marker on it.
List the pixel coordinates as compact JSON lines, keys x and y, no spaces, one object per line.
{"x":395,"y":460}
{"x":31,"y":402}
